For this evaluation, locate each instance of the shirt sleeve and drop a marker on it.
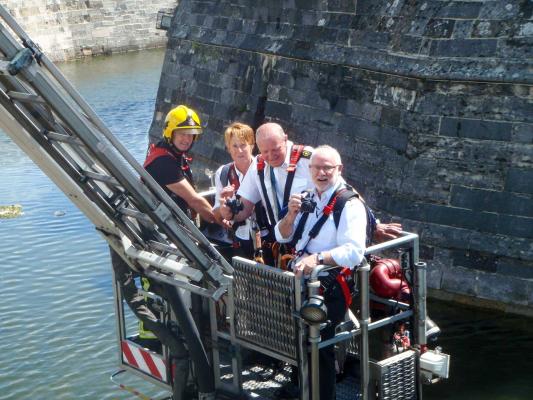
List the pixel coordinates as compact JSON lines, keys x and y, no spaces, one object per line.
{"x":218,"y":187}
{"x":249,"y":188}
{"x":165,"y":170}
{"x":280,"y":238}
{"x":351,"y":235}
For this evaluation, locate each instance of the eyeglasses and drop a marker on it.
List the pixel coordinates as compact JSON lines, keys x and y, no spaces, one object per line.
{"x":326,"y":168}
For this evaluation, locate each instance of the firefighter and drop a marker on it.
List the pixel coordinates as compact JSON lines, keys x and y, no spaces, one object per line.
{"x":168,"y":163}
{"x":324,"y":239}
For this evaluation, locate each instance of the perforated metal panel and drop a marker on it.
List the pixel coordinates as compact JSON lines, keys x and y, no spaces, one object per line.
{"x":395,"y":377}
{"x":264,"y":307}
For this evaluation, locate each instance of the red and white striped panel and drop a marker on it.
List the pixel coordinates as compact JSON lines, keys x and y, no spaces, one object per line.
{"x":146,"y":361}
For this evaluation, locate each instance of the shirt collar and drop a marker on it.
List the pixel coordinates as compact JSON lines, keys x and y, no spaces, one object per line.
{"x":328,"y":193}
{"x":239,"y":173}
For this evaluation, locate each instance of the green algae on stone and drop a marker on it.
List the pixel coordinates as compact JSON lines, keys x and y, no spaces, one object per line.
{"x":11,"y":211}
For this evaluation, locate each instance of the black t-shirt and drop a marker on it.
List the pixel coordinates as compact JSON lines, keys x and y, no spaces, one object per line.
{"x":167,"y":170}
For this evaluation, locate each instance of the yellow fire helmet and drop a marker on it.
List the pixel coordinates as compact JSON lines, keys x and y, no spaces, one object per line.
{"x":183,"y":119}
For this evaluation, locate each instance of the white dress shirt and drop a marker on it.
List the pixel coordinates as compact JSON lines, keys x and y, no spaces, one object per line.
{"x":346,"y":243}
{"x":251,"y":189}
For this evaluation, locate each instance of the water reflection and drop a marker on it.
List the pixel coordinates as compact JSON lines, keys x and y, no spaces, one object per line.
{"x":490,"y":354}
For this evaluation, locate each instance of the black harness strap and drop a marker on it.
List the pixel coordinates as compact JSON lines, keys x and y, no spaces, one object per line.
{"x":296,"y":153}
{"x":371,"y":221}
{"x":224,"y":174}
{"x":326,"y":212}
{"x":261,"y":173}
{"x":228,"y":175}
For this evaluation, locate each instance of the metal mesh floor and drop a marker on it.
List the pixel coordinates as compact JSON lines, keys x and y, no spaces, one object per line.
{"x":262,"y":383}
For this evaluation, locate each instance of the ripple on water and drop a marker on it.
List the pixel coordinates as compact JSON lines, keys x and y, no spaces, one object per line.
{"x":58,"y":326}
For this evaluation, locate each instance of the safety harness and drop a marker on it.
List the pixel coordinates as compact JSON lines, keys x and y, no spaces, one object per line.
{"x":228,"y":175}
{"x":155,"y":151}
{"x":297,"y":152}
{"x":163,"y":149}
{"x":335,"y":206}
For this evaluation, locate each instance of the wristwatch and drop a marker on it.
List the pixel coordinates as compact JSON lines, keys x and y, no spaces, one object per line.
{"x":320,"y":258}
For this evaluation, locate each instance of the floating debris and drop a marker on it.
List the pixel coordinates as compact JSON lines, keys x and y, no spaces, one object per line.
{"x":59,"y":213}
{"x":11,"y":211}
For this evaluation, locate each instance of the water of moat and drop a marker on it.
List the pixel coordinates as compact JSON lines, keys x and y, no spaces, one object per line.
{"x":57,"y":324}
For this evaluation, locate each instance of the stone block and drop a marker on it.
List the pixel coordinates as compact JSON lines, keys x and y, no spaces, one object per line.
{"x":519,"y":48}
{"x":513,"y":267}
{"x":367,"y":111}
{"x":390,"y":116}
{"x":395,"y":96}
{"x":460,"y":280}
{"x":410,"y":44}
{"x":525,"y":29}
{"x":488,"y":28}
{"x":435,"y":268}
{"x":492,"y":201}
{"x":439,"y":28}
{"x":476,"y":129}
{"x":389,"y":137}
{"x":474,"y":260}
{"x":463,"y":48}
{"x":519,"y":180}
{"x":310,"y":4}
{"x":342,"y":5}
{"x":462,"y":29}
{"x":220,"y":23}
{"x":450,"y":216}
{"x":508,"y":9}
{"x":511,"y":225}
{"x":369,"y":40}
{"x":340,"y":20}
{"x":460,"y":9}
{"x":280,"y":110}
{"x":368,"y":7}
{"x":523,"y":133}
{"x":502,"y":288}
{"x":419,"y":123}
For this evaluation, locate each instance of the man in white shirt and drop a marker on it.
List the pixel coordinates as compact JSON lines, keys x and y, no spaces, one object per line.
{"x":323,"y":241}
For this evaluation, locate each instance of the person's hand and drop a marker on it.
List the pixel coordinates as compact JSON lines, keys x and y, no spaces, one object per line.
{"x":306,"y":265}
{"x":225,"y":211}
{"x":227,"y":223}
{"x":227,"y":192}
{"x":295,"y":202}
{"x":386,"y":232}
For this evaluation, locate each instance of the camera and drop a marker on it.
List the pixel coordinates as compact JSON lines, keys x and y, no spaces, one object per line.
{"x":235,"y":205}
{"x":308,"y":205}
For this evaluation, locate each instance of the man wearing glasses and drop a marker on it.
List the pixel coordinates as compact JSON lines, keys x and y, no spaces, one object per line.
{"x":320,"y":240}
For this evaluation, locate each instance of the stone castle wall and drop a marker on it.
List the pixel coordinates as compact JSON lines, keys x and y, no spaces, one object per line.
{"x":68,"y":29}
{"x":429,"y":102}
